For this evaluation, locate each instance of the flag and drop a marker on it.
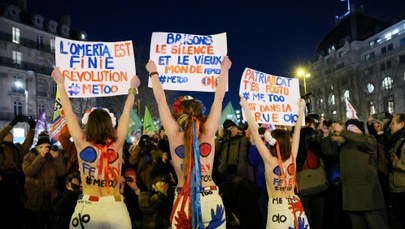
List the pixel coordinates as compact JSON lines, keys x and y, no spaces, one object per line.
{"x":59,"y":121}
{"x":148,"y":124}
{"x":350,"y":111}
{"x":39,"y":126}
{"x":228,"y":113}
{"x":134,"y":123}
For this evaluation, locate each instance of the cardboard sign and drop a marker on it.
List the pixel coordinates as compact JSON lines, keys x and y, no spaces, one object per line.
{"x":95,"y":69}
{"x":272,"y":99}
{"x":188,"y":62}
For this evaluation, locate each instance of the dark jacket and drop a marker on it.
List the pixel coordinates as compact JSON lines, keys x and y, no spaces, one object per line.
{"x":41,"y":185}
{"x":11,"y":156}
{"x":155,"y":206}
{"x":358,"y":174}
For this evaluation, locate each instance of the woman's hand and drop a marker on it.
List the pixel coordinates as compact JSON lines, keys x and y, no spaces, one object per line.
{"x":151,"y":66}
{"x":57,"y":76}
{"x":135,"y":82}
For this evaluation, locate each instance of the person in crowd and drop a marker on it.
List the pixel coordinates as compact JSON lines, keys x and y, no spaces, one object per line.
{"x":396,"y":149}
{"x":155,"y":204}
{"x":11,"y":175}
{"x":361,"y":190}
{"x":376,"y":128}
{"x":235,"y":177}
{"x":279,"y":161}
{"x":131,"y":190}
{"x":41,"y":167}
{"x":191,"y":137}
{"x":163,"y":144}
{"x":65,"y":206}
{"x":334,"y":217}
{"x":145,"y":155}
{"x":100,"y":158}
{"x":310,"y":144}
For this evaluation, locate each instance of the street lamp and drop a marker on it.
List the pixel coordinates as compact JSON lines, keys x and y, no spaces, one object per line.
{"x":18,"y":84}
{"x":302,"y":73}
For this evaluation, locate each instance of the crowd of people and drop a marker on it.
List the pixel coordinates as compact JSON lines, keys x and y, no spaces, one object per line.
{"x":192,"y":174}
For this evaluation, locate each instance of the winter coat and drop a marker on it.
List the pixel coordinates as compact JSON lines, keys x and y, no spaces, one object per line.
{"x":361,"y":188}
{"x":41,"y":185}
{"x":398,"y":165}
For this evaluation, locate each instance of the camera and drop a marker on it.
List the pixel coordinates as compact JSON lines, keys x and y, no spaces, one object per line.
{"x":54,"y":148}
{"x":327,"y":122}
{"x":129,"y":179}
{"x":27,"y":118}
{"x":166,"y":178}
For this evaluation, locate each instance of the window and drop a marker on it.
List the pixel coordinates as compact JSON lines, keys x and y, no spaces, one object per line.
{"x":369,"y":56}
{"x":17,"y":108}
{"x":41,"y":108}
{"x":402,"y":59}
{"x":16,"y":35}
{"x":332,"y":100}
{"x":402,"y":42}
{"x":391,"y":107}
{"x":390,"y":47}
{"x":370,"y":88}
{"x":52,"y":45}
{"x":40,"y":43}
{"x":387,"y":83}
{"x":371,"y":107}
{"x":17,"y":57}
{"x":383,"y":50}
{"x":388,"y":64}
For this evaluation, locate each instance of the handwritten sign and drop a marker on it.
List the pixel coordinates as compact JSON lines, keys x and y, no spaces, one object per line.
{"x":272,"y":99}
{"x":95,"y":69}
{"x":188,"y":62}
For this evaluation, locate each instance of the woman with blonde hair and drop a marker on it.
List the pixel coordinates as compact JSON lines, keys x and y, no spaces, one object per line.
{"x":192,"y":146}
{"x":100,"y":159}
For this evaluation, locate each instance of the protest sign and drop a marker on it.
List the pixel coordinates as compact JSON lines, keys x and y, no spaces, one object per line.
{"x":95,"y":69}
{"x":272,"y":99}
{"x":188,"y":62}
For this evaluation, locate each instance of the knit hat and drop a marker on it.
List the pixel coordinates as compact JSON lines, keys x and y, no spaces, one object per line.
{"x":228,"y":123}
{"x":72,"y":176}
{"x":162,"y":177}
{"x":359,"y":124}
{"x":43,"y":137}
{"x":129,"y":172}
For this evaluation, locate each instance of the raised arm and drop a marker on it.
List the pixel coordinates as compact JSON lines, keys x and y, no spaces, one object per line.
{"x":169,"y":123}
{"x":71,"y":119}
{"x":261,"y":147}
{"x":211,"y":124}
{"x":122,"y":128}
{"x":297,"y":129}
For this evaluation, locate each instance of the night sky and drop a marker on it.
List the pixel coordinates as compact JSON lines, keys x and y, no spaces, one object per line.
{"x":272,"y":36}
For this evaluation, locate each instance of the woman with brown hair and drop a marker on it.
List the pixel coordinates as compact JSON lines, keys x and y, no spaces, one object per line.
{"x":100,"y":158}
{"x":192,"y":146}
{"x":285,"y":209}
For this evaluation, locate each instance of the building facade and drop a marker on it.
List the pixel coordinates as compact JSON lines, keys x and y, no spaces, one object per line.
{"x":362,"y":60}
{"x":27,"y":46}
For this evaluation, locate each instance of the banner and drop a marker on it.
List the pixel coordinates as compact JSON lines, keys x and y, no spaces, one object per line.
{"x":134,"y":123}
{"x":148,"y":124}
{"x":351,"y":113}
{"x":39,"y":127}
{"x":272,"y":99}
{"x":95,"y":69}
{"x":228,"y":113}
{"x":59,"y":121}
{"x":187,"y":62}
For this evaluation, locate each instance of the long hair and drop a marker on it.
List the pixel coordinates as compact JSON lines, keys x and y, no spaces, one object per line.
{"x":189,"y":109}
{"x":283,"y":138}
{"x":99,"y":128}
